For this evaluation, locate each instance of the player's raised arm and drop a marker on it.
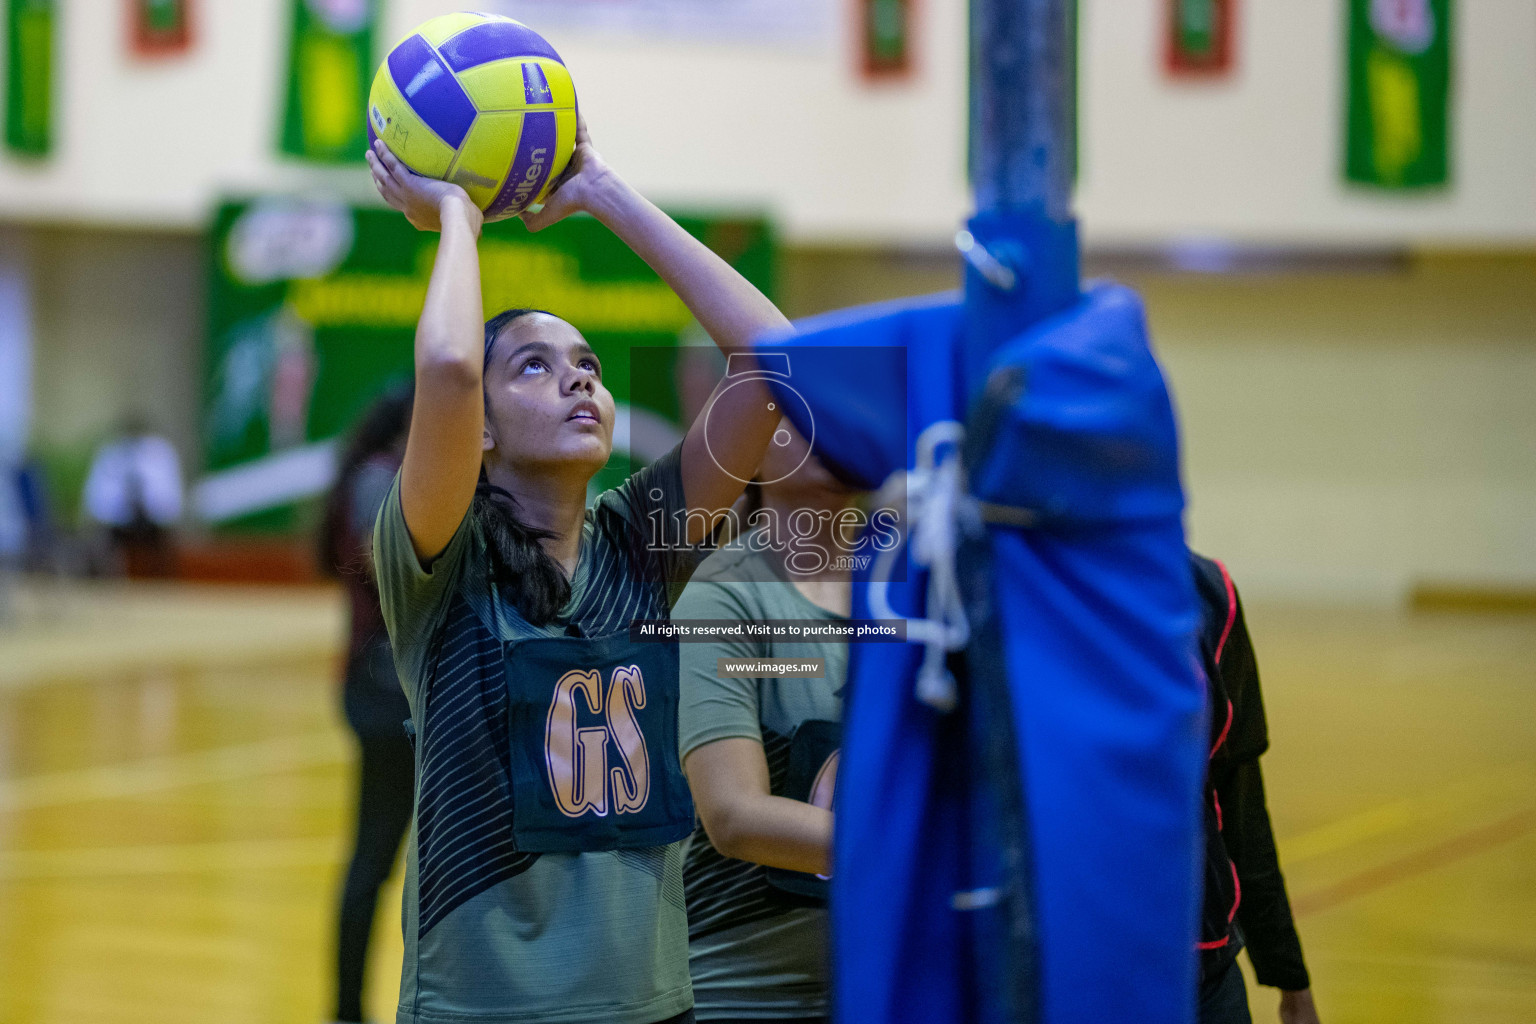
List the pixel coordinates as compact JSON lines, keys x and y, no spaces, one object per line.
{"x":726,"y":304}
{"x":442,"y":455}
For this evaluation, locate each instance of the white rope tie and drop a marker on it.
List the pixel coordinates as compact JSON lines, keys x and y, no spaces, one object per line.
{"x":936,"y":502}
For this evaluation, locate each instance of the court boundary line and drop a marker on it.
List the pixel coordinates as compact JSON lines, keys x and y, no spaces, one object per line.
{"x":1449,"y":851}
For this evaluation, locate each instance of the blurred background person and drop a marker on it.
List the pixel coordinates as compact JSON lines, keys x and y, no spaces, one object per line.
{"x":14,"y":533}
{"x":373,"y":701}
{"x":1245,"y":901}
{"x":134,"y":490}
{"x":757,"y":920}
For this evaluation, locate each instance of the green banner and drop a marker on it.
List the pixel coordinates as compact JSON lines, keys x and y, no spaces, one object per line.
{"x":29,"y":34}
{"x":312,"y":312}
{"x":163,"y":16}
{"x":330,"y":67}
{"x":1399,"y":93}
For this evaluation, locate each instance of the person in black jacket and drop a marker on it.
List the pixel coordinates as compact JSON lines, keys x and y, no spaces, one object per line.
{"x":1245,"y":899}
{"x":372,"y":698}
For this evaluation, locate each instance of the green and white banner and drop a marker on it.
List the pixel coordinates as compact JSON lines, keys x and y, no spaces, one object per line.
{"x":312,"y":313}
{"x":1399,"y":93}
{"x":29,"y":32}
{"x":330,"y":67}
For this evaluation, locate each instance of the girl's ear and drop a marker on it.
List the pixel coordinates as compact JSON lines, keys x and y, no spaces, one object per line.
{"x":487,"y":442}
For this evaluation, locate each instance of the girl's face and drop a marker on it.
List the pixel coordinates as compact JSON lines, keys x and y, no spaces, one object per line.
{"x":546,"y":405}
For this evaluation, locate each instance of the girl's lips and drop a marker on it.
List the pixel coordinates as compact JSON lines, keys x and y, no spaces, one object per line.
{"x":585,"y":412}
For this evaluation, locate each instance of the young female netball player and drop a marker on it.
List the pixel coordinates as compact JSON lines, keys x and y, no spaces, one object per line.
{"x":545,"y":872}
{"x":760,"y":753}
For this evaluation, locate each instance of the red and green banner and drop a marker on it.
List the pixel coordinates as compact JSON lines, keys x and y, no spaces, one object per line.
{"x":161,"y":27}
{"x":1200,"y":37}
{"x":1399,"y":93}
{"x":330,"y":67}
{"x":886,"y":34}
{"x":29,"y":32}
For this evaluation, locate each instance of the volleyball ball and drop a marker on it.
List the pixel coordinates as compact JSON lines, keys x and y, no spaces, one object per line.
{"x":479,"y":100}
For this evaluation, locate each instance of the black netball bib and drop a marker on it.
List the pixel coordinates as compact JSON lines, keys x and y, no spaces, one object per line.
{"x":594,"y":744}
{"x":812,"y":779}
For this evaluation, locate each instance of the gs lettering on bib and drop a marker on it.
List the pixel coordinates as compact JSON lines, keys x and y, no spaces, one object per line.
{"x":594,"y":744}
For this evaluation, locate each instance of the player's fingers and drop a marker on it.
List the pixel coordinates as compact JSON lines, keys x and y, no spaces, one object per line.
{"x":377,"y":169}
{"x":396,"y":168}
{"x":380,"y":156}
{"x":582,"y":137}
{"x":380,"y":168}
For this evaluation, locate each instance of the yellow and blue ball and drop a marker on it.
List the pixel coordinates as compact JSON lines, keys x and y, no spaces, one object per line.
{"x":479,"y":100}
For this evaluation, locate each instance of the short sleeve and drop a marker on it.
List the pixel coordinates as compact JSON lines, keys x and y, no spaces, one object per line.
{"x":413,"y":600}
{"x":710,"y":708}
{"x":652,"y":504}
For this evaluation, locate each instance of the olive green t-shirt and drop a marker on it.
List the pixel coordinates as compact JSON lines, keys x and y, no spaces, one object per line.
{"x":494,"y":935}
{"x":752,"y":953}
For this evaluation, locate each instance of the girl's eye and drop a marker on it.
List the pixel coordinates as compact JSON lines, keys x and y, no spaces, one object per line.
{"x":591,"y":364}
{"x":531,"y":364}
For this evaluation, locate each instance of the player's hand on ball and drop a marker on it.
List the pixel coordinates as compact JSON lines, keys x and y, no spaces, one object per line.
{"x":576,"y":190}
{"x":422,"y":200}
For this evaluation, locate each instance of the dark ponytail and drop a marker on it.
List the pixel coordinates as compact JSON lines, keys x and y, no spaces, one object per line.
{"x":522,"y":570}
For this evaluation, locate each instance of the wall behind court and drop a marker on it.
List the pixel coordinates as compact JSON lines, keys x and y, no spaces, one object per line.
{"x":795,"y":131}
{"x":118,"y":329}
{"x":1350,"y":437}
{"x":1345,"y":436}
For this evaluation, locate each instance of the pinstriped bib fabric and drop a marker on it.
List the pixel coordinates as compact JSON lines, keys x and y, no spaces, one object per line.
{"x":464,"y":800}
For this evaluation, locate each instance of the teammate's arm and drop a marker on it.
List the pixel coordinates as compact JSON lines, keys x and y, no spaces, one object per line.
{"x":726,"y":304}
{"x":729,"y":779}
{"x":442,"y":452}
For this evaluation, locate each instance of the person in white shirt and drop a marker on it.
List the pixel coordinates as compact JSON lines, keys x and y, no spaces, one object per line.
{"x":134,"y":489}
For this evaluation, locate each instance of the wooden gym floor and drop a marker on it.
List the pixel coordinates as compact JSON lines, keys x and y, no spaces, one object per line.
{"x":174,"y":801}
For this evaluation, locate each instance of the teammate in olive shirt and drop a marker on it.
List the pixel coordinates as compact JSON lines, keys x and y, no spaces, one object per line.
{"x":544,"y":870}
{"x":757,"y":920}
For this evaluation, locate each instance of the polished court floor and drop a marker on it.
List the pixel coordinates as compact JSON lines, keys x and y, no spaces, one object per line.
{"x":174,"y":799}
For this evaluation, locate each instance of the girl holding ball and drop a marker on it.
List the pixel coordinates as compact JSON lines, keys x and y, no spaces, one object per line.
{"x":544,"y":876}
